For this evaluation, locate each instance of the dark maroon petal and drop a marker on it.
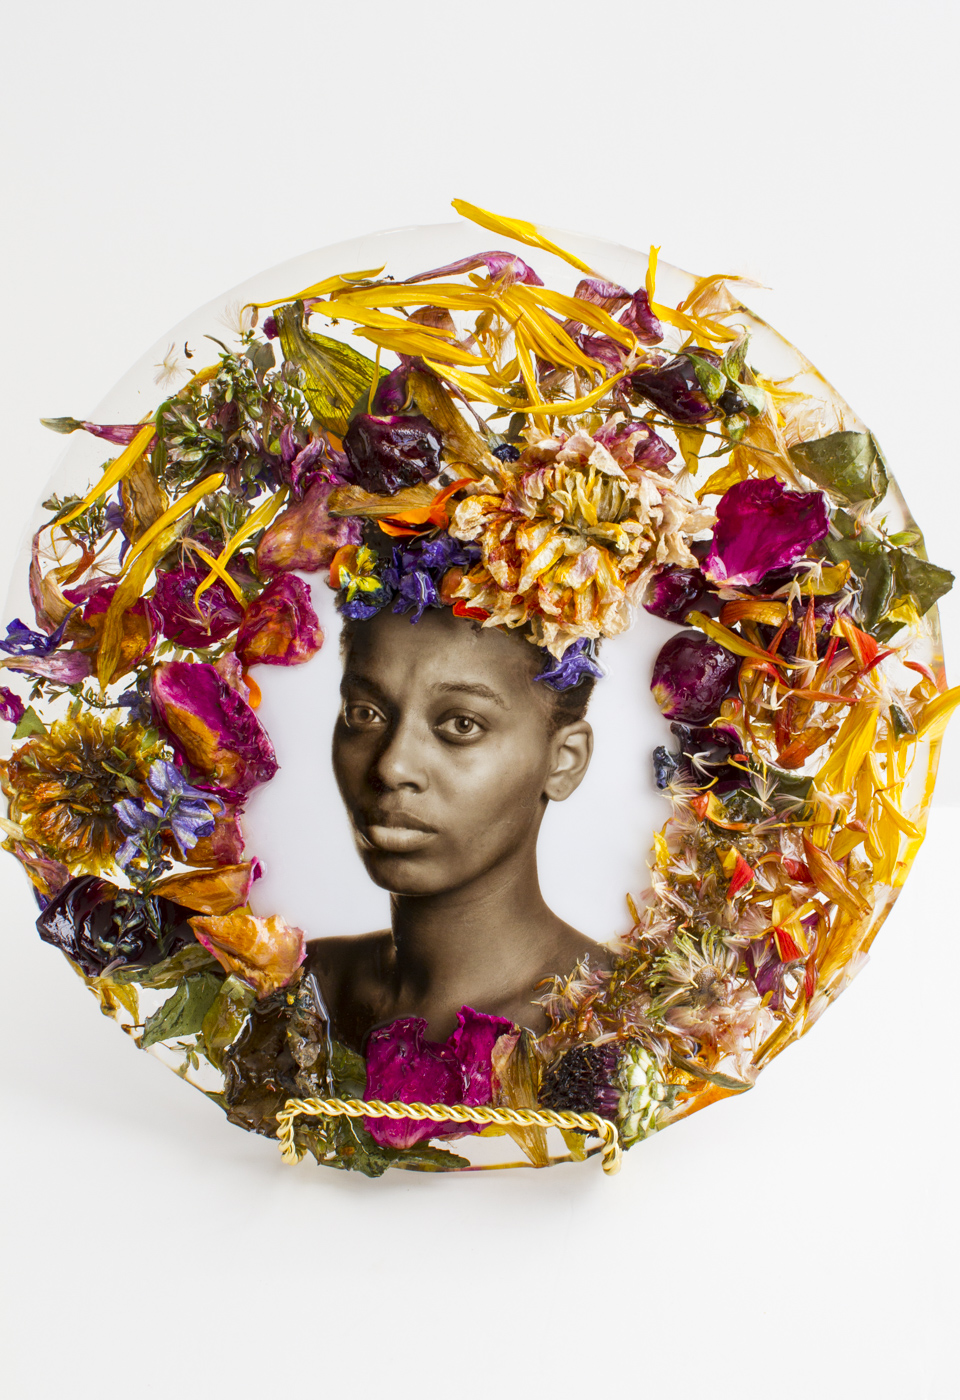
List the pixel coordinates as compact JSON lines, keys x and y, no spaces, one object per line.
{"x":675,"y":389}
{"x":691,"y":676}
{"x":280,"y":627}
{"x":212,"y":727}
{"x":761,"y":525}
{"x":675,"y":593}
{"x":387,"y":454}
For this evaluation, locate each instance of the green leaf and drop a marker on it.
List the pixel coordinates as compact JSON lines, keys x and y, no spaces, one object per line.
{"x":711,"y":381}
{"x":193,"y":958}
{"x":923,"y":581}
{"x":334,"y":375}
{"x":873,"y":568}
{"x":227,"y":1018}
{"x":848,"y":464}
{"x":183,"y":1013}
{"x":30,"y":723}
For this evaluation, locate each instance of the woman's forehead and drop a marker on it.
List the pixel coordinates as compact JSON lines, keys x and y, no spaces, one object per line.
{"x":443,"y":654}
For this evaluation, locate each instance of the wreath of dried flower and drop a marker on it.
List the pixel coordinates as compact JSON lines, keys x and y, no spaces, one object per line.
{"x":530,"y":461}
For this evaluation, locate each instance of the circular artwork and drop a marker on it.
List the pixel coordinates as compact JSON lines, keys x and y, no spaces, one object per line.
{"x":484,"y":707}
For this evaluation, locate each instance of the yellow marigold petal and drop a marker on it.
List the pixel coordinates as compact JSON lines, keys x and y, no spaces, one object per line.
{"x":115,"y":472}
{"x":518,"y":229}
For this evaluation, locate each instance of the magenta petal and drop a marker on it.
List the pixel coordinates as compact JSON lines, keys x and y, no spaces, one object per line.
{"x":213,"y":728}
{"x":182,"y":621}
{"x":404,"y":1067}
{"x":762,"y":526}
{"x":281,"y":627}
{"x":472,"y":1043}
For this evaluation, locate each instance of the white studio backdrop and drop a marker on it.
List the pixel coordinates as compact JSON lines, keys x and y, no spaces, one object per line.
{"x":800,"y":1239}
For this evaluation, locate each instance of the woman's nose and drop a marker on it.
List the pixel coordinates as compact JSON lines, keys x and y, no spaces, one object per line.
{"x":400,"y":761}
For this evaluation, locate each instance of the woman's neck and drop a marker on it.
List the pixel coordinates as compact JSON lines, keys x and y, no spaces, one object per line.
{"x":486,"y":945}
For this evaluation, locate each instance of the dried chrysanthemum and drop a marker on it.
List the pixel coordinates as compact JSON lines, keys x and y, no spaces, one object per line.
{"x":569,"y":538}
{"x":63,"y":786}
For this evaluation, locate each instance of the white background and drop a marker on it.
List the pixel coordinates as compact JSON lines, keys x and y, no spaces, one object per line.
{"x":801,"y":1240}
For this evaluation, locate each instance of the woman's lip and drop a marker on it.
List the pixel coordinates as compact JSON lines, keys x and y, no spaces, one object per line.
{"x":397,"y":839}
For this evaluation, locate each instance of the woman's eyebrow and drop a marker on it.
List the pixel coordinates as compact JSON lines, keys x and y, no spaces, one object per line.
{"x":363,"y":682}
{"x":477,"y":688}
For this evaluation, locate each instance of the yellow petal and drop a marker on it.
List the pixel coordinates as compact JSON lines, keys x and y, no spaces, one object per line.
{"x":518,"y":229}
{"x":114,"y":473}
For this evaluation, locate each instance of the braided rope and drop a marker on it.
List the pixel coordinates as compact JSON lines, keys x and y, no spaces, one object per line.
{"x":602,"y":1128}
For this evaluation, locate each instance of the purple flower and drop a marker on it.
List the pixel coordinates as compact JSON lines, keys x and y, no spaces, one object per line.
{"x":387,"y":454}
{"x":691,"y":676}
{"x":305,"y":537}
{"x":578,"y":660}
{"x":280,"y":627}
{"x":183,"y":810}
{"x":12,"y":707}
{"x":584,"y":1081}
{"x":710,"y":757}
{"x":21,"y":640}
{"x":762,"y":526}
{"x":190,"y":624}
{"x":498,"y":264}
{"x":416,"y":569}
{"x":639,"y":318}
{"x":403,"y":1066}
{"x":212,"y":727}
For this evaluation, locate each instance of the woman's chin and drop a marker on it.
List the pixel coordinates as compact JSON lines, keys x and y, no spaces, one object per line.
{"x":403,"y":874}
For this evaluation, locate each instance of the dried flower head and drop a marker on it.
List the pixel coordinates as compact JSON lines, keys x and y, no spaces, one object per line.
{"x":63,"y":786}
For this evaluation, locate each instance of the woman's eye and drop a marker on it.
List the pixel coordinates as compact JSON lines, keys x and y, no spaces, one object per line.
{"x":461,"y":727}
{"x":361,"y":716}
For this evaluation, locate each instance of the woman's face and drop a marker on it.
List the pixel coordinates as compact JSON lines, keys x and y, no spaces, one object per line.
{"x":443,"y":750}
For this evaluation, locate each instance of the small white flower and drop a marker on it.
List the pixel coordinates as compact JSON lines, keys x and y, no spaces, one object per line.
{"x":170,"y":367}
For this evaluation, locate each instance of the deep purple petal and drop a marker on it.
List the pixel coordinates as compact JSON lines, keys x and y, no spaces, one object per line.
{"x":675,"y":593}
{"x":639,"y":318}
{"x":578,"y":661}
{"x":674,"y":388}
{"x":691,"y":676}
{"x":761,"y":525}
{"x":387,"y":454}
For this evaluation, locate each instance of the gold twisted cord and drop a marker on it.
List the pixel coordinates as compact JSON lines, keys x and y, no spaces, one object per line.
{"x":603,"y":1128}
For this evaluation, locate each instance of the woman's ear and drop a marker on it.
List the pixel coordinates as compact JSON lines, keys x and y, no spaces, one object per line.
{"x":572,"y":750}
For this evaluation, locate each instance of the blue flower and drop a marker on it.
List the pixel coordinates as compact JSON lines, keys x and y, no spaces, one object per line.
{"x":417,"y":567}
{"x":21,"y":640}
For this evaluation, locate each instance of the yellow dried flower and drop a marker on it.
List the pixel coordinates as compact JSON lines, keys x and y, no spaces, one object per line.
{"x":63,"y":785}
{"x":569,"y":539}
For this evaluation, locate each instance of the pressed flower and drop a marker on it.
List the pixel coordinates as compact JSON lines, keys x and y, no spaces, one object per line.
{"x":64,"y":786}
{"x":280,"y":627}
{"x":584,"y":1080}
{"x":579,"y":660}
{"x":218,"y":891}
{"x":138,"y":629}
{"x":305,"y":537}
{"x":674,"y":387}
{"x":192,"y":622}
{"x":173,"y":805}
{"x":387,"y":454}
{"x":691,"y":676}
{"x":98,"y":925}
{"x":402,"y":1065}
{"x":568,"y":540}
{"x":63,"y":667}
{"x":354,"y":570}
{"x":761,"y":526}
{"x":12,"y":708}
{"x":674,"y":593}
{"x":419,"y":571}
{"x":263,"y":952}
{"x":213,"y":727}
